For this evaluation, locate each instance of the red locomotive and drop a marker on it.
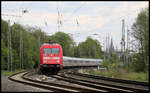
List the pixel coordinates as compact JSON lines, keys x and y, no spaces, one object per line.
{"x":51,"y":57}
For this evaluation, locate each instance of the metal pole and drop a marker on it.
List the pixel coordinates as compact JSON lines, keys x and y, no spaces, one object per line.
{"x":8,"y":46}
{"x":20,"y":51}
{"x":123,"y":43}
{"x":39,"y":53}
{"x":73,"y":50}
{"x":58,"y":19}
{"x":127,"y":46}
{"x":9,"y":41}
{"x":108,"y":48}
{"x":95,"y":51}
{"x":124,"y":56}
{"x":10,"y":50}
{"x":80,"y":52}
{"x":104,"y":49}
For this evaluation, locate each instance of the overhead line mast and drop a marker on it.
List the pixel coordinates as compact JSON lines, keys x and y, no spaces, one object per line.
{"x":9,"y":40}
{"x":123,"y":42}
{"x":59,"y":19}
{"x":10,"y":66}
{"x":21,"y":44}
{"x":128,"y":50}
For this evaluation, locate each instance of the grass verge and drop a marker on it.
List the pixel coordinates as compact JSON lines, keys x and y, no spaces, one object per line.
{"x":7,"y":73}
{"x":123,"y":74}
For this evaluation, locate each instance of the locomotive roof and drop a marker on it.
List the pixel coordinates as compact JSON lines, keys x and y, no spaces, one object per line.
{"x":51,"y":44}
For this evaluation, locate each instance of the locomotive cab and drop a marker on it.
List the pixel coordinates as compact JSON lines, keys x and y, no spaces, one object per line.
{"x":51,"y":57}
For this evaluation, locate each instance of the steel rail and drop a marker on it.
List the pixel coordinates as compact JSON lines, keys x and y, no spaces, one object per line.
{"x":91,"y":85}
{"x":51,"y":88}
{"x":111,"y":79}
{"x":58,"y":85}
{"x":106,"y":84}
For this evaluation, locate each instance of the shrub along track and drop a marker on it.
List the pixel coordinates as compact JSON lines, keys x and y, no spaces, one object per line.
{"x":101,"y":82}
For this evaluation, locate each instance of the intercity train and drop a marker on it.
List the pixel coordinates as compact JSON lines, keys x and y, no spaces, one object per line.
{"x":52,"y":59}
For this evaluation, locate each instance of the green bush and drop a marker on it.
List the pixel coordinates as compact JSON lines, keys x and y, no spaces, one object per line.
{"x":106,"y":64}
{"x":123,"y":74}
{"x":137,"y":63}
{"x":115,"y":66}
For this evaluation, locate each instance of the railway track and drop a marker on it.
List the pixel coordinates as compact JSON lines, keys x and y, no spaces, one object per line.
{"x":22,"y":77}
{"x":111,"y":79}
{"x":101,"y":83}
{"x":18,"y":78}
{"x":89,"y":82}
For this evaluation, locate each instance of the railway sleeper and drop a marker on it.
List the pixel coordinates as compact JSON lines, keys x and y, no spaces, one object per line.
{"x":95,"y":86}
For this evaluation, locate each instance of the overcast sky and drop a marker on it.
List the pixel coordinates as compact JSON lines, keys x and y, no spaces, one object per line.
{"x":79,"y":18}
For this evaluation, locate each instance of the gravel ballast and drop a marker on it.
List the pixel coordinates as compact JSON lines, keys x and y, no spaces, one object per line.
{"x":11,"y":86}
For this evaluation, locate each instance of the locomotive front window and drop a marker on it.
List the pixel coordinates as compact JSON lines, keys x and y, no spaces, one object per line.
{"x":51,"y":50}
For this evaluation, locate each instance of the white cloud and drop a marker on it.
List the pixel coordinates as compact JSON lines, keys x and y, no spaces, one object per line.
{"x":102,"y":17}
{"x":126,"y":10}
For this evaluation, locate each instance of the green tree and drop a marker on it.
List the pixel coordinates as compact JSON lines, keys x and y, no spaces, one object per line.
{"x":65,"y":41}
{"x":90,"y":49}
{"x":30,"y":49}
{"x":140,"y":31}
{"x":4,"y":30}
{"x":137,"y":63}
{"x":3,"y":55}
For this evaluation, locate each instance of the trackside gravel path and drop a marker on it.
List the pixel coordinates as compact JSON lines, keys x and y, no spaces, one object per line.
{"x":11,"y":86}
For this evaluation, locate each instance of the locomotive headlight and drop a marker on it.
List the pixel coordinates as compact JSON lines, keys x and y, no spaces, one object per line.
{"x":46,"y":57}
{"x":44,"y":60}
{"x":56,"y":58}
{"x":57,"y":61}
